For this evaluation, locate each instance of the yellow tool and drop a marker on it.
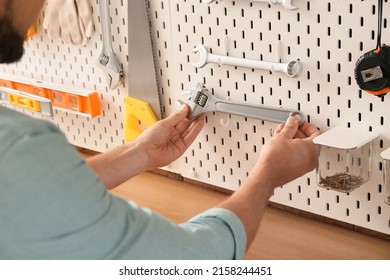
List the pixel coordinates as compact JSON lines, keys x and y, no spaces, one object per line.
{"x":26,"y":100}
{"x":136,"y":112}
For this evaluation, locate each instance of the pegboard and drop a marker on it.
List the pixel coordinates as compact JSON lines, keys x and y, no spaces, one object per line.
{"x":327,"y":36}
{"x":75,"y":66}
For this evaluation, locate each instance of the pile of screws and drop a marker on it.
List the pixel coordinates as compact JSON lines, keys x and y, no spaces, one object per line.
{"x":341,"y":181}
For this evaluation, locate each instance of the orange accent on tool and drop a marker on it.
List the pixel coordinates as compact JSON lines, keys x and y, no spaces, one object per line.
{"x":30,"y":32}
{"x":61,"y":97}
{"x":379,"y":92}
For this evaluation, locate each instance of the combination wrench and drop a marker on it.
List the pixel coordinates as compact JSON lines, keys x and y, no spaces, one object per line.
{"x":291,"y":69}
{"x":201,"y":101}
{"x":285,"y":3}
{"x":107,"y":60}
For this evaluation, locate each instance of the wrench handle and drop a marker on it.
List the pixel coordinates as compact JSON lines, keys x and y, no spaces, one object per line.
{"x":105,"y":21}
{"x":248,"y":63}
{"x":265,"y":113}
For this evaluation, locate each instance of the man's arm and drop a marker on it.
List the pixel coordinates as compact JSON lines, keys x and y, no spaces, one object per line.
{"x":158,"y":146}
{"x":288,"y":155}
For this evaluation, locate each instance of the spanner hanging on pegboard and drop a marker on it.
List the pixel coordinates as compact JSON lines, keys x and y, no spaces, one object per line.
{"x":107,"y":60}
{"x":291,"y":69}
{"x":201,"y":100}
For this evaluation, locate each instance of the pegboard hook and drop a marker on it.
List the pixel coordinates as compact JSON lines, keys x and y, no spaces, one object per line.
{"x":225,"y":122}
{"x":226,"y":45}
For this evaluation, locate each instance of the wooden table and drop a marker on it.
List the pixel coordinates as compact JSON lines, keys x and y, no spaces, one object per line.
{"x":281,"y":236}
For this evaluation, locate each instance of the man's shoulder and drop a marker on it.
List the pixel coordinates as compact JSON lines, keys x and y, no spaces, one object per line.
{"x":15,"y":126}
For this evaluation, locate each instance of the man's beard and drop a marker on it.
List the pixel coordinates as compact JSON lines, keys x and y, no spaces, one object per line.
{"x":11,"y":42}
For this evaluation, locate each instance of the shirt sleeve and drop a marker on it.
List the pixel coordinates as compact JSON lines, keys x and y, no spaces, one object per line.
{"x":232,"y":230}
{"x":52,"y":206}
{"x":214,"y":234}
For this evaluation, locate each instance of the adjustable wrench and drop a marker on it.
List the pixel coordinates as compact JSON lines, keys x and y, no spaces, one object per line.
{"x":201,"y":101}
{"x":291,"y":69}
{"x":285,"y":3}
{"x":107,"y":60}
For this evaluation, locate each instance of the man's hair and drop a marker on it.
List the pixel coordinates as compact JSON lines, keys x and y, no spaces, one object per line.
{"x":11,"y":42}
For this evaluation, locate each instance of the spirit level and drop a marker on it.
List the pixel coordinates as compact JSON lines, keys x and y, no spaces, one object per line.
{"x":64,"y":98}
{"x":26,"y":100}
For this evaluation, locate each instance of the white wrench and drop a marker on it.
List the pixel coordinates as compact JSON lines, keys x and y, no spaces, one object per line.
{"x":285,"y":3}
{"x":107,"y":60}
{"x":291,"y":69}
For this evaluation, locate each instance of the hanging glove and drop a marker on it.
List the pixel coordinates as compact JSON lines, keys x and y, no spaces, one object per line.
{"x":70,"y":20}
{"x":85,"y":19}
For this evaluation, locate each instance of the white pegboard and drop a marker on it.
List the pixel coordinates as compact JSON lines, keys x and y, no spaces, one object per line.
{"x":75,"y":66}
{"x":327,"y":36}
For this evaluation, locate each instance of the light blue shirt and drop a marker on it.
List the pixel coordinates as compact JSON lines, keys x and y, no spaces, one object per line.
{"x":52,"y":206}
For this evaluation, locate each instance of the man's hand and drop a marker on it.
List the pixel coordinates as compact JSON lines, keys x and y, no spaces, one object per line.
{"x":157,"y":146}
{"x":290,"y":153}
{"x":169,"y":138}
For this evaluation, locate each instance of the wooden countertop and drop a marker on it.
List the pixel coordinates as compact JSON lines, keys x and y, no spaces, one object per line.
{"x":281,"y":236}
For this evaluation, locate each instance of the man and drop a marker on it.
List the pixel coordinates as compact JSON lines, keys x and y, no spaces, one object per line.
{"x":54,"y":205}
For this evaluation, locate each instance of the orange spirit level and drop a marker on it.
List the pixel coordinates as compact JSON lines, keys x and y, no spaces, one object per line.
{"x":64,"y":98}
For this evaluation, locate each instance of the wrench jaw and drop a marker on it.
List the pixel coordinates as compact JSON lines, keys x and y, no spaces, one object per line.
{"x":203,"y":53}
{"x":200,"y":101}
{"x":188,"y":95}
{"x":299,"y":116}
{"x":112,"y":70}
{"x":294,"y":68}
